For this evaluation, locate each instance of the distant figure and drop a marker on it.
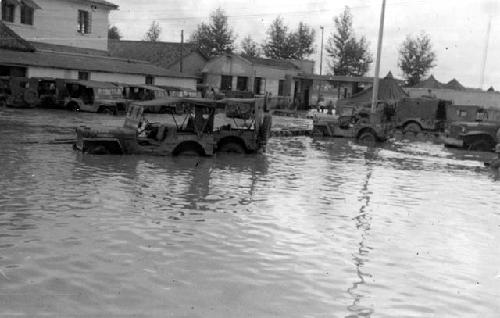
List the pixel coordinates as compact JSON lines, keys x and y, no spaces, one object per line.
{"x":210,"y":93}
{"x":330,"y":108}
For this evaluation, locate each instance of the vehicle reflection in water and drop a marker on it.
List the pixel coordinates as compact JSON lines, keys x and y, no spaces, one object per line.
{"x":313,"y":227}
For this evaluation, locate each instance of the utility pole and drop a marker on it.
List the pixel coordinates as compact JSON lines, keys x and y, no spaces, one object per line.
{"x":485,"y":54}
{"x":377,"y":63}
{"x":182,"y":53}
{"x":321,"y":53}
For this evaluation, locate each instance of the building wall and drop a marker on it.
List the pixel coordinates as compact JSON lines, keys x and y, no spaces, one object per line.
{"x":236,"y":66}
{"x":56,"y":23}
{"x":191,"y":64}
{"x":485,"y":99}
{"x":177,"y":82}
{"x":51,"y":72}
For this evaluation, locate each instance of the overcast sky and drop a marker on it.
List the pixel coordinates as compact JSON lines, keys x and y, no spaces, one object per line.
{"x":457,"y":28}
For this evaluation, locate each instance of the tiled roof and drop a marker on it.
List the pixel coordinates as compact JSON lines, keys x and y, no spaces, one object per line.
{"x":102,"y":2}
{"x":84,"y":62}
{"x":39,"y":46}
{"x":285,"y":64}
{"x":10,"y":40}
{"x":163,"y":54}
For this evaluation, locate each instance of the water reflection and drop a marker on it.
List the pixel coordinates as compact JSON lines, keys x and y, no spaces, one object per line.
{"x":361,"y":257}
{"x":301,"y":231}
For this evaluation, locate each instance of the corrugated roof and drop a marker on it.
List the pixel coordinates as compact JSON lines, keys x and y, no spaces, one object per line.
{"x":163,"y":54}
{"x":12,"y":41}
{"x":83,"y":62}
{"x":285,"y":64}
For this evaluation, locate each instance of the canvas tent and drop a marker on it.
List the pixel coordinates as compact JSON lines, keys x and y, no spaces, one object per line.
{"x":389,"y":91}
{"x":454,"y":84}
{"x":430,"y":83}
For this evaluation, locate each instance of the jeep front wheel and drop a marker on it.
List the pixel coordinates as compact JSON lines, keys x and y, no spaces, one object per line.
{"x":481,"y":145}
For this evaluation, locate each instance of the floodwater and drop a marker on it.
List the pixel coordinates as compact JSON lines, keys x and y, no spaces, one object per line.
{"x":312,"y":228}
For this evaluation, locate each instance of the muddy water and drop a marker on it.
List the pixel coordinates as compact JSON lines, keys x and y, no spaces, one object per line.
{"x":313,"y":228}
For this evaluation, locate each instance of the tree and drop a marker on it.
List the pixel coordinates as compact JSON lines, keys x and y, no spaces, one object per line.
{"x":216,"y":37}
{"x":249,"y":47}
{"x":303,"y":41}
{"x":416,"y":57}
{"x":114,"y":33}
{"x":349,"y":56}
{"x":153,"y":34}
{"x":281,"y":44}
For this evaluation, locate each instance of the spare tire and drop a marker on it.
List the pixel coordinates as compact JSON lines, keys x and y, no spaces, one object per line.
{"x":30,"y":97}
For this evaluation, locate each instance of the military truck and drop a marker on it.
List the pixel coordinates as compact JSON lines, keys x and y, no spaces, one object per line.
{"x":421,"y":113}
{"x":357,"y":121}
{"x":473,"y":135}
{"x":18,"y":92}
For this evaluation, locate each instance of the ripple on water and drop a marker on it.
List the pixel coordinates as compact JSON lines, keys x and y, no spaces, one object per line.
{"x":312,"y":228}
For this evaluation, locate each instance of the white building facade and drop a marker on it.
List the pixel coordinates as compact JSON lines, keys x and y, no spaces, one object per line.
{"x":69,"y":39}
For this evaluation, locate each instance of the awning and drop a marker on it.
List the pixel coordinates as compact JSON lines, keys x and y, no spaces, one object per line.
{"x":31,"y":4}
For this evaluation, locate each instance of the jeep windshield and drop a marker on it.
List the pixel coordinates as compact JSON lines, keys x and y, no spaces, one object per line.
{"x":108,"y":93}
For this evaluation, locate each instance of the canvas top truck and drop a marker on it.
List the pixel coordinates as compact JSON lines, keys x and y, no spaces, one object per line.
{"x":422,"y":113}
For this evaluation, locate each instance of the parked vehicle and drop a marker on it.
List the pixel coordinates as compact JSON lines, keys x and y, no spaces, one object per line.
{"x":194,"y":133}
{"x":94,"y":97}
{"x":357,"y":121}
{"x":141,"y":92}
{"x":19,"y":92}
{"x":478,"y":135}
{"x":174,"y":91}
{"x":423,"y":113}
{"x":4,"y":90}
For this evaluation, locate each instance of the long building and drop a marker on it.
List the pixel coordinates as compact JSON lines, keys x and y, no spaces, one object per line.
{"x":69,"y":39}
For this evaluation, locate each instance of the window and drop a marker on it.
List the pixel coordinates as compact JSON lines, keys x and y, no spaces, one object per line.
{"x":150,"y":80}
{"x":83,"y":22}
{"x":281,"y":87}
{"x":27,"y":14}
{"x":256,"y":85}
{"x":8,"y":11}
{"x":226,"y":83}
{"x":242,"y":83}
{"x":84,"y":76}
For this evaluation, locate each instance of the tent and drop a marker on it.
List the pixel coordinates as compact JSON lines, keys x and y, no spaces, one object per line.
{"x":430,"y":83}
{"x":388,"y":90}
{"x":454,"y":84}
